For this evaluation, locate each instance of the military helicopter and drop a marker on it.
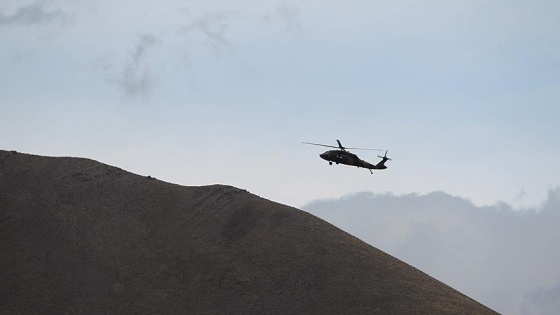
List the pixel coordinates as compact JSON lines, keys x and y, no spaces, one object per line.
{"x":343,"y":156}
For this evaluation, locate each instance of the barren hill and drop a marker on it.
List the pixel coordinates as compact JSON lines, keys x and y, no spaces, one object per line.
{"x":79,"y":236}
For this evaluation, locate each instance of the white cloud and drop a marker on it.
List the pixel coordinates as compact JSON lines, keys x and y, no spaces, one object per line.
{"x":506,"y":259}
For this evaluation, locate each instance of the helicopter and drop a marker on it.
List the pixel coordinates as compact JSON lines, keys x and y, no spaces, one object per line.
{"x":343,"y":156}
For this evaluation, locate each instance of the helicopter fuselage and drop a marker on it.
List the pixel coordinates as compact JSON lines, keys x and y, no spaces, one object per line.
{"x":348,"y":158}
{"x":343,"y":156}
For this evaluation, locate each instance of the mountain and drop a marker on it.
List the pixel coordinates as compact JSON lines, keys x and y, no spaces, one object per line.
{"x":79,"y":236}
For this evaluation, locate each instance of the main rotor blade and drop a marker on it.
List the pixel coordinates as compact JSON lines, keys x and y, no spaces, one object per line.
{"x":341,"y":147}
{"x":323,"y":145}
{"x":365,"y":149}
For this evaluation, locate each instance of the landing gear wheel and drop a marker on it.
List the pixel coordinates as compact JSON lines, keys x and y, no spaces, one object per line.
{"x":330,"y":163}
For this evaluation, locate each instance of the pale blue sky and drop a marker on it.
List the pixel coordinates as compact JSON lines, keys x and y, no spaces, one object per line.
{"x":464,"y":94}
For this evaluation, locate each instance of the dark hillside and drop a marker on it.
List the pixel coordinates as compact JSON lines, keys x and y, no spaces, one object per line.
{"x":78,"y":236}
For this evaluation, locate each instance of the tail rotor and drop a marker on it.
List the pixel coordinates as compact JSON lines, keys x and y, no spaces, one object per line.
{"x":385,"y":158}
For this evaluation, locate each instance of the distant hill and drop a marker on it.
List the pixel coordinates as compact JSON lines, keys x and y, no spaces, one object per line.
{"x":79,"y":236}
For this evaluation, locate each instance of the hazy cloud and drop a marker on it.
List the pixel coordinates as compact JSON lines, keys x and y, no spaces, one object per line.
{"x":286,"y":15}
{"x":506,"y":259}
{"x":544,"y":301}
{"x":522,"y":194}
{"x":212,"y":26}
{"x":290,"y":15}
{"x":136,"y":79}
{"x":33,"y":14}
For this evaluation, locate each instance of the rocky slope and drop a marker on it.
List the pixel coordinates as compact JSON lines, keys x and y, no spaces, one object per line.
{"x":79,"y":236}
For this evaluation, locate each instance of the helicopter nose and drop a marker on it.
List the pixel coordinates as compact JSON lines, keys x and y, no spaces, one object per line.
{"x":323,"y":156}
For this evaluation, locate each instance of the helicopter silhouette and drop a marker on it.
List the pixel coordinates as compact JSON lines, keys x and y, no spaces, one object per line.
{"x":343,"y":156}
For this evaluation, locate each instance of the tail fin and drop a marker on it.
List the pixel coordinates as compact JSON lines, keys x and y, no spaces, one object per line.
{"x":381,"y":164}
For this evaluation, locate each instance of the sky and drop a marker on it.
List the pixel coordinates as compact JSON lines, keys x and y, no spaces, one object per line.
{"x":463,"y":94}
